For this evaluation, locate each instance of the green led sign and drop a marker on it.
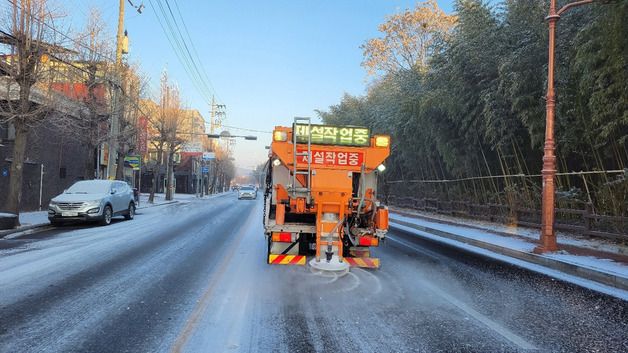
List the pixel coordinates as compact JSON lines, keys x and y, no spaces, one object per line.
{"x":333,"y":135}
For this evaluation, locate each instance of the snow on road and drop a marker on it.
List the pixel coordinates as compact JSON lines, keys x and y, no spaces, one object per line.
{"x":192,"y":277}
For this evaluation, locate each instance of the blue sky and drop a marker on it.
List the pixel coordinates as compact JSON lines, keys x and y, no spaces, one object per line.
{"x":268,"y":60}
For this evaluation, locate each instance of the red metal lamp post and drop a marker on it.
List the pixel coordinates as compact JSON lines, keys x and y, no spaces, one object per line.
{"x":548,"y":236}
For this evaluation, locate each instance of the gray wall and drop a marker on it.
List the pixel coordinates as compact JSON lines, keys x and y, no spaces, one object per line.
{"x":55,"y":151}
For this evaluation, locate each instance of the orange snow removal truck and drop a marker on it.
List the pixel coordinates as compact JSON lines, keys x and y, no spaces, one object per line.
{"x":321,"y":196}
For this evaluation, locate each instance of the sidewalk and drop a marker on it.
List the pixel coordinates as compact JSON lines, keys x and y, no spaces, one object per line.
{"x":38,"y":219}
{"x":579,"y":260}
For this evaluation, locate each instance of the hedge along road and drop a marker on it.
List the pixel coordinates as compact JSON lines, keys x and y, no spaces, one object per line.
{"x":192,"y":278}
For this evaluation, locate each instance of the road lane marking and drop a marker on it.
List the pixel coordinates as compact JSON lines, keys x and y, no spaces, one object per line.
{"x":206,"y":298}
{"x":501,"y":330}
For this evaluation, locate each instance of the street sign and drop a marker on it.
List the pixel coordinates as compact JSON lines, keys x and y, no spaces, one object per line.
{"x":205,"y":170}
{"x":5,"y":172}
{"x":192,"y":147}
{"x":132,"y":162}
{"x":208,"y":156}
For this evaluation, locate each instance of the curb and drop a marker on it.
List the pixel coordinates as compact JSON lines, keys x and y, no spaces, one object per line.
{"x":157,"y":204}
{"x":602,"y":277}
{"x":6,"y":232}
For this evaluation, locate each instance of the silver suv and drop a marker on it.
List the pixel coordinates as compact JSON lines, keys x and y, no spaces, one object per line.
{"x":93,"y":200}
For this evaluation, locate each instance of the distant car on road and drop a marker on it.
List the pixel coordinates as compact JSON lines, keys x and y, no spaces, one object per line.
{"x":247,"y":192}
{"x":93,"y":200}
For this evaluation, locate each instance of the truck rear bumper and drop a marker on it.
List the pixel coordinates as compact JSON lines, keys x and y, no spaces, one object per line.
{"x":286,"y":259}
{"x":290,"y":228}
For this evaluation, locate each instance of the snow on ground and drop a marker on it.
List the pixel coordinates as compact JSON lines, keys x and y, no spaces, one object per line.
{"x":604,"y":265}
{"x":602,"y":288}
{"x":33,"y":218}
{"x":562,"y":237}
{"x":161,"y":198}
{"x":477,"y":234}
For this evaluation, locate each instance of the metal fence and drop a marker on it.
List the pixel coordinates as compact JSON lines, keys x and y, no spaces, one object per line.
{"x":580,"y":221}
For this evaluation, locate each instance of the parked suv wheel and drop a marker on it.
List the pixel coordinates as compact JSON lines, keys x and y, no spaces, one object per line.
{"x":107,"y":214}
{"x":130,"y":213}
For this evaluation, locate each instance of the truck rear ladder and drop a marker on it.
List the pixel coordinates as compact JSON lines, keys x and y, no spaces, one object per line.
{"x":294,"y":190}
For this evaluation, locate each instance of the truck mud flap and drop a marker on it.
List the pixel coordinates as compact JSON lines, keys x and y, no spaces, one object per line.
{"x":364,"y":262}
{"x":286,"y":259}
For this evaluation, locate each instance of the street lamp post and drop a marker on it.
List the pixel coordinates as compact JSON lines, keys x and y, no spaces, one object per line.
{"x":548,"y":236}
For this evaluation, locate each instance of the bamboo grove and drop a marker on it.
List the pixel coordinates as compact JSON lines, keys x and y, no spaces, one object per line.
{"x":475,"y":108}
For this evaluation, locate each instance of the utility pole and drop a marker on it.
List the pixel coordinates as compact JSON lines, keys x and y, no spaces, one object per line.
{"x":216,"y":117}
{"x":116,"y":111}
{"x":113,"y":143}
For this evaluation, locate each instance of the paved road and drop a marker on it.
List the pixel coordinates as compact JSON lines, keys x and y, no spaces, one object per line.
{"x":192,"y":278}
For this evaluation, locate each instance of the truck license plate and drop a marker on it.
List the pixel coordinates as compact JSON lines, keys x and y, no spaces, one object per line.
{"x":69,"y":214}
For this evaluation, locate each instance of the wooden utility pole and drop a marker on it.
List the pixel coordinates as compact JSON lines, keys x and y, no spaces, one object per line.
{"x":115,"y":113}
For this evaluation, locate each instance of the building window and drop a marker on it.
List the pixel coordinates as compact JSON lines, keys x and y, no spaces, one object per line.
{"x":62,"y":173}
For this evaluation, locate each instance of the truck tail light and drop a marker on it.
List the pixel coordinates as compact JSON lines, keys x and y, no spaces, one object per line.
{"x":283,"y":237}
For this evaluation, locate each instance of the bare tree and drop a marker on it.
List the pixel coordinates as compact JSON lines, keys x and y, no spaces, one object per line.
{"x":95,"y":51}
{"x":157,"y":144}
{"x":173,"y":138}
{"x":30,"y":45}
{"x":132,"y":90}
{"x":224,"y":170}
{"x":166,"y":138}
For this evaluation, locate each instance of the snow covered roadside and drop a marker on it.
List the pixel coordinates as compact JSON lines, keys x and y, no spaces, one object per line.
{"x":522,"y":232}
{"x":34,"y":218}
{"x":30,"y":221}
{"x":599,"y":274}
{"x":160,"y":199}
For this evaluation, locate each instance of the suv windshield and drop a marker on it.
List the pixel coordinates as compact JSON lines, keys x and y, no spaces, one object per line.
{"x":246,"y":188}
{"x":89,"y":187}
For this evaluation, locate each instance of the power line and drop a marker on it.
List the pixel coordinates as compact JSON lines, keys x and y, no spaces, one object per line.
{"x":171,"y":38}
{"x":619,"y":171}
{"x":180,"y":45}
{"x":56,"y":31}
{"x":102,"y":56}
{"x":194,"y":50}
{"x":198,"y":76}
